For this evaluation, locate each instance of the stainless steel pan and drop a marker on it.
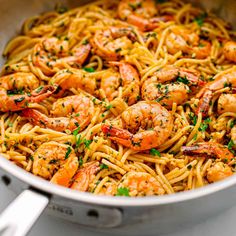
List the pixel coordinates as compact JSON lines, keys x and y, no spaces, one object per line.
{"x":111,"y":215}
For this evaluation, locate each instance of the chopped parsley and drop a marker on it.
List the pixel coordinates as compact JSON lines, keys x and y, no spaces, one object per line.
{"x":155,"y":152}
{"x":69,"y":150}
{"x":89,"y":69}
{"x":14,"y":92}
{"x":232,"y":124}
{"x":226,"y":84}
{"x":78,"y":141}
{"x":193,"y":118}
{"x":81,"y":162}
{"x":76,"y":131}
{"x":108,"y":107}
{"x":203,"y":127}
{"x":122,"y":192}
{"x":103,"y":166}
{"x":160,"y":98}
{"x":87,"y":143}
{"x":183,"y":80}
{"x":189,"y":167}
{"x":230,"y":145}
{"x":135,"y":6}
{"x":118,"y":50}
{"x":200,"y":19}
{"x":19,"y":99}
{"x":39,"y":89}
{"x":85,"y":42}
{"x":53,"y":161}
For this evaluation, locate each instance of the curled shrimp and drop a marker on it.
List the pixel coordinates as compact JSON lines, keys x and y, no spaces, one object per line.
{"x":77,"y":79}
{"x":50,"y":54}
{"x":56,"y":162}
{"x":69,"y":113}
{"x":226,"y":103}
{"x":109,"y":43}
{"x":142,"y":126}
{"x":85,"y":176}
{"x":229,"y":51}
{"x":218,"y":171}
{"x":141,"y":184}
{"x":188,"y":42}
{"x":109,"y":189}
{"x":141,"y":13}
{"x":233,"y":136}
{"x":170,"y":85}
{"x":127,"y":77}
{"x":16,"y":91}
{"x":209,"y":149}
{"x":226,"y":79}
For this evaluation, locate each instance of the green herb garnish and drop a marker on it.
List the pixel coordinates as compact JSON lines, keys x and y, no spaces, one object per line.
{"x":89,"y":69}
{"x":155,"y":152}
{"x":183,"y":80}
{"x":203,"y":127}
{"x":81,"y":162}
{"x":122,"y":192}
{"x":76,"y":131}
{"x":19,"y":99}
{"x":200,"y":19}
{"x":103,"y":166}
{"x":69,"y":150}
{"x":87,"y":143}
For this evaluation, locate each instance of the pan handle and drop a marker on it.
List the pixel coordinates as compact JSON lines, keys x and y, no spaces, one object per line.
{"x":18,"y":218}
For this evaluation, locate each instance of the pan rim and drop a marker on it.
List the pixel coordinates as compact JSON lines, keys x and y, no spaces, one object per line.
{"x":83,"y":197}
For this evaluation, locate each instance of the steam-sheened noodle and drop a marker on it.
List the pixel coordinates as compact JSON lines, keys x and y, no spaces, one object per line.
{"x":122,"y":98}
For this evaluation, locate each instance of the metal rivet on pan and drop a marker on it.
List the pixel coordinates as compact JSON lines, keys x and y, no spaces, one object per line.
{"x":93,"y":213}
{"x":6,"y":180}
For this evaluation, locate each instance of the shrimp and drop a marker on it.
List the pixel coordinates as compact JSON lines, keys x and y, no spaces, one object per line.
{"x":141,"y":184}
{"x":225,"y":79}
{"x":229,"y":51}
{"x":218,"y":171}
{"x":202,"y":50}
{"x":141,"y":13}
{"x":226,"y":103}
{"x":74,"y":78}
{"x":129,"y":81}
{"x":11,"y":91}
{"x":209,"y":149}
{"x":50,"y":54}
{"x":108,"y":43}
{"x":55,"y":162}
{"x":85,"y":176}
{"x":142,"y":126}
{"x":174,"y":91}
{"x":110,"y":83}
{"x":109,"y":189}
{"x":233,"y":136}
{"x":188,"y":42}
{"x":69,"y":113}
{"x":19,"y":81}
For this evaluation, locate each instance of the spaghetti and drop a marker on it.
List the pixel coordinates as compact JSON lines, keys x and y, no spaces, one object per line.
{"x":130,"y":102}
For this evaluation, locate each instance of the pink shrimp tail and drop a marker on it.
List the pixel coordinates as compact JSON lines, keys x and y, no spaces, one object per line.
{"x":34,"y":116}
{"x":121,"y":136}
{"x":42,"y":93}
{"x":82,"y":52}
{"x":204,"y":103}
